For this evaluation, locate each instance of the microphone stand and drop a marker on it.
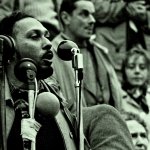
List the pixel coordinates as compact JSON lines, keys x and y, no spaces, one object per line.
{"x":77,"y":63}
{"x":29,"y":126}
{"x":31,"y":100}
{"x":3,"y":145}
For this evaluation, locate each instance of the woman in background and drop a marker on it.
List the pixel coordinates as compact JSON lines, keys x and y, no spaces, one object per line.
{"x":135,"y":70}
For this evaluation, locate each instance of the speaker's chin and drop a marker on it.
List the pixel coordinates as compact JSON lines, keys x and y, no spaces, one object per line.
{"x":44,"y":72}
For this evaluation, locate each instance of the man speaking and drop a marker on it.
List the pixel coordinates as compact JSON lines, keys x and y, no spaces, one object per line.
{"x":36,"y":114}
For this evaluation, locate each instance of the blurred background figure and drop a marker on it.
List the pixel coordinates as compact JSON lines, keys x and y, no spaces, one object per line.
{"x":138,"y":131}
{"x":121,"y":24}
{"x":135,"y":71}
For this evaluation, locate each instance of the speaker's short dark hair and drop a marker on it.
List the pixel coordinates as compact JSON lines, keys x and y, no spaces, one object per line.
{"x":7,"y":24}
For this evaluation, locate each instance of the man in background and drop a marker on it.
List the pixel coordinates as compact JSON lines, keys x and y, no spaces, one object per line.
{"x":138,"y":131}
{"x":100,"y":83}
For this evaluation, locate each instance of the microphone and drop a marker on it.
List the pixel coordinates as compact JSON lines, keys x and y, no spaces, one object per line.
{"x":66,"y":50}
{"x":47,"y":104}
{"x":25,"y":69}
{"x":8,"y":41}
{"x":7,"y":47}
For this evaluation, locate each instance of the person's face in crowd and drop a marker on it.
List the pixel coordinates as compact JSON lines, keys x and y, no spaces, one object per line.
{"x":31,"y":39}
{"x":81,"y":21}
{"x":139,"y":135}
{"x":136,"y":70}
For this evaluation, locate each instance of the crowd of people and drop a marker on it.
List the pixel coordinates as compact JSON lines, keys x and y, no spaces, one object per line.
{"x":113,"y":39}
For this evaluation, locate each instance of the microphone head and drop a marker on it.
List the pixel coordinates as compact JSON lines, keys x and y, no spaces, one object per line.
{"x":64,"y":50}
{"x":8,"y":47}
{"x":47,"y":104}
{"x":22,"y":68}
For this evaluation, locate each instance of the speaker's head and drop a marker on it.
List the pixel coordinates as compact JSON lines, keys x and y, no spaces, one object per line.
{"x":7,"y":47}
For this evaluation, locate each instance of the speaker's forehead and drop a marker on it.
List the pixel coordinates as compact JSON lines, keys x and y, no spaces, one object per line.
{"x":27,"y":24}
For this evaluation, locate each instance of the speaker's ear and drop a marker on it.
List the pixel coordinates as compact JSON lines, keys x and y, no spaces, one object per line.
{"x":8,"y":46}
